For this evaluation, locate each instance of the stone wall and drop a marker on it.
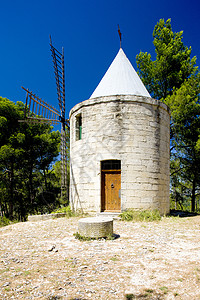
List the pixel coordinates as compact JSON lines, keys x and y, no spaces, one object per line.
{"x":133,"y":129}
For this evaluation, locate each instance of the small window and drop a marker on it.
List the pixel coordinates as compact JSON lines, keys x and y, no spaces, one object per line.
{"x":111,"y":165}
{"x":78,"y":127}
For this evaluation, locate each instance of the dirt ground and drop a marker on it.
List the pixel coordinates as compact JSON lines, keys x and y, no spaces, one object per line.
{"x":158,"y":260}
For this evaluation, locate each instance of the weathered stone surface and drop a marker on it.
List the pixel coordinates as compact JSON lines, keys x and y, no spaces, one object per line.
{"x":95,"y":227}
{"x":133,"y":129}
{"x":35,"y":218}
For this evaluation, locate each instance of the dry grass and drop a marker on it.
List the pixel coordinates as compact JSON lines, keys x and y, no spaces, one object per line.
{"x":158,"y":260}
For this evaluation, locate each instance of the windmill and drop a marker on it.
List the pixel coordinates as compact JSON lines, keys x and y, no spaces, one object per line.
{"x":37,"y":110}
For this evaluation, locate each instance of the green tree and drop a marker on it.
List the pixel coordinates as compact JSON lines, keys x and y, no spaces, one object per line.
{"x":27,"y":152}
{"x":9,"y":116}
{"x":174,"y":79}
{"x":185,"y":127}
{"x":173,"y":63}
{"x":41,"y":147}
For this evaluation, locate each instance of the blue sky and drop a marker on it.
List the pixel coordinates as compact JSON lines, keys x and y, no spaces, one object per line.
{"x":87,"y":29}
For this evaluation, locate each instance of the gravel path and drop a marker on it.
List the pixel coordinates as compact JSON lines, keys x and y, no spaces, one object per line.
{"x":158,"y":260}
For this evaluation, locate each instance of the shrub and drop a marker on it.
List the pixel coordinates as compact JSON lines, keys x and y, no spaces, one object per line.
{"x":140,"y":215}
{"x":4,"y":221}
{"x":65,"y":210}
{"x":80,"y":237}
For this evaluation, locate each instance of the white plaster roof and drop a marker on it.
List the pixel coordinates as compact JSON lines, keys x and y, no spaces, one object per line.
{"x":120,"y":79}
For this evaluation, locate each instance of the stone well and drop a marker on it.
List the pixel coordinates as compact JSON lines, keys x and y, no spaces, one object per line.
{"x":95,"y":227}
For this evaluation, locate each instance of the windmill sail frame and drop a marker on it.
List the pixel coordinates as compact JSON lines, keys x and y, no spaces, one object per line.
{"x":37,"y":110}
{"x":59,"y":71}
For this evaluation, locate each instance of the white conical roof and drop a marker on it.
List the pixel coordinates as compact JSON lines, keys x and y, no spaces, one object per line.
{"x":120,"y":79}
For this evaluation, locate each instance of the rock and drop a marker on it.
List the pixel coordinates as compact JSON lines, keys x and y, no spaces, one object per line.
{"x":6,"y":284}
{"x":51,"y":248}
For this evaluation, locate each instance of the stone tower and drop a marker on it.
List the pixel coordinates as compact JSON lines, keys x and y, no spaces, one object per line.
{"x":119,"y":146}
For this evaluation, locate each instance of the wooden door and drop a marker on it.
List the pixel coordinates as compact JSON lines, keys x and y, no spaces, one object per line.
{"x":111,"y":191}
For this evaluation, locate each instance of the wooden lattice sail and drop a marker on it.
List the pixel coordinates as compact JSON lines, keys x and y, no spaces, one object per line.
{"x":37,"y":110}
{"x":59,"y":70}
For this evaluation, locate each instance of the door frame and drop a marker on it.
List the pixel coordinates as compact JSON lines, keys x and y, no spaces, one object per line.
{"x":103,"y":173}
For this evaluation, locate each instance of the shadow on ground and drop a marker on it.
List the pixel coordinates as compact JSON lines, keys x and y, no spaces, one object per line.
{"x":147,"y":294}
{"x":182,"y":214}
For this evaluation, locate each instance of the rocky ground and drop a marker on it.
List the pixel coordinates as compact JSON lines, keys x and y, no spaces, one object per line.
{"x":158,"y":260}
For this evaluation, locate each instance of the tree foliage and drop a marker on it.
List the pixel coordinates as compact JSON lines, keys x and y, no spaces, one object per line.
{"x":27,"y":152}
{"x":185,"y":128}
{"x":174,"y":79}
{"x":173,"y":63}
